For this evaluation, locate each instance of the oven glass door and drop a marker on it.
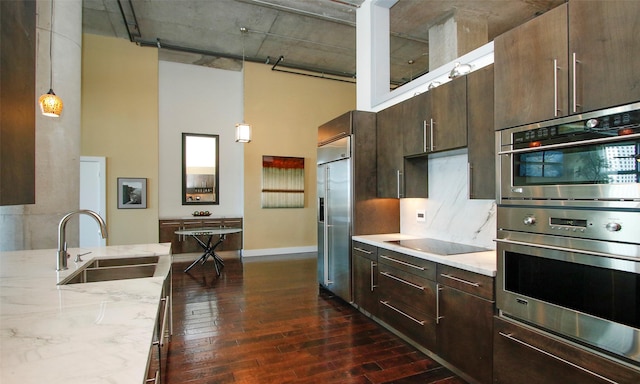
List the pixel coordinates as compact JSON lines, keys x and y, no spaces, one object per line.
{"x":589,"y":299}
{"x":611,"y":163}
{"x":605,"y":293}
{"x":593,"y":161}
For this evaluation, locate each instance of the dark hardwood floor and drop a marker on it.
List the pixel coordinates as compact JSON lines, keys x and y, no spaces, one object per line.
{"x":267,"y":322}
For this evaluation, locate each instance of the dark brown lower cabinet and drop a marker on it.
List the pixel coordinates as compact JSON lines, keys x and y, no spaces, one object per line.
{"x":158,"y":353}
{"x":465,"y":321}
{"x":525,"y":355}
{"x":365,"y":277}
{"x":446,"y":310}
{"x":408,"y":300}
{"x":464,"y":332}
{"x":187,"y":244}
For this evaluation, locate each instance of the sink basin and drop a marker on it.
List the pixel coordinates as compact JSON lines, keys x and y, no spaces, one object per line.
{"x":101,"y":263}
{"x":114,"y":269}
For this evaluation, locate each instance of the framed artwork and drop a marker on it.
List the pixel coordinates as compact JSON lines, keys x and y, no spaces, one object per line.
{"x":282,"y":182}
{"x":132,"y":193}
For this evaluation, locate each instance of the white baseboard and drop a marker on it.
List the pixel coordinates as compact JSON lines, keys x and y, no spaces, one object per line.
{"x":277,"y":251}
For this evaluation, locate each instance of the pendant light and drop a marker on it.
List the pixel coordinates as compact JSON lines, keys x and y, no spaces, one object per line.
{"x":50,"y":104}
{"x":243,"y":130}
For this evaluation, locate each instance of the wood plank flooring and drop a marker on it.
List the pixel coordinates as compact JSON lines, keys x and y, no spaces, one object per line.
{"x":267,"y":322}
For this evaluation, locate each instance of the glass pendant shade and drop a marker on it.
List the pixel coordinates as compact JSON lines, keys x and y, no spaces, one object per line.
{"x":50,"y":104}
{"x":243,"y":133}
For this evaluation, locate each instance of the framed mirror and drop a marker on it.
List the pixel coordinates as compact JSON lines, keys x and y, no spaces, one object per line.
{"x":200,"y":169}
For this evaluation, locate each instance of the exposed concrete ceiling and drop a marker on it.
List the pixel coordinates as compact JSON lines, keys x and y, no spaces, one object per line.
{"x":314,"y":37}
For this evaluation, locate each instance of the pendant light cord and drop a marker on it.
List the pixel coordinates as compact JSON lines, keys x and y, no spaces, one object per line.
{"x":244,"y":36}
{"x":50,"y":48}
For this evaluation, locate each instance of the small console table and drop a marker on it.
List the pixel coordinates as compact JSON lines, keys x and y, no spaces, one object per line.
{"x":209,"y":249}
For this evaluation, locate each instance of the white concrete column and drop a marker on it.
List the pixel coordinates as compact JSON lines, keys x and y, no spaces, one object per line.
{"x":372,"y":52}
{"x":57,"y":139}
{"x":459,"y":34}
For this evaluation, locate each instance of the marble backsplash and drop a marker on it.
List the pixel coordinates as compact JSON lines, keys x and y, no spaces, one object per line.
{"x":450,"y":214}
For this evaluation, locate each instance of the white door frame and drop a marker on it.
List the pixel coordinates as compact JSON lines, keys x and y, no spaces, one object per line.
{"x":100,"y":188}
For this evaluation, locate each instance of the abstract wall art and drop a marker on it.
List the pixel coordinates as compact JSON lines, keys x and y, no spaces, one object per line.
{"x":282,"y":182}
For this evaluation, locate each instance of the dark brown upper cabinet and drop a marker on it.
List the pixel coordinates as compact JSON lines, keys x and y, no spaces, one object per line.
{"x":17,"y":102}
{"x":578,"y":57}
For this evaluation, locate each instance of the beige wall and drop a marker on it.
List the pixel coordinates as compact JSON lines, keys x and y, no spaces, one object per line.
{"x":285,"y":111}
{"x":120,"y":122}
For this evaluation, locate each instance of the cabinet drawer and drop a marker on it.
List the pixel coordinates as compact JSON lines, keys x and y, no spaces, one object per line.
{"x":417,"y":326}
{"x":410,"y":290}
{"x":208,"y":223}
{"x":407,"y":263}
{"x":524,"y":355}
{"x":232,"y":223}
{"x":466,"y":281}
{"x":365,"y":250}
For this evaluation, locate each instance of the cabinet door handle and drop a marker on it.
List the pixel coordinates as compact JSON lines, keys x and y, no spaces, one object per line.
{"x":471,"y":283}
{"x":373,"y":285}
{"x":402,"y":262}
{"x":156,"y":379}
{"x":362,"y":250}
{"x":399,"y":183}
{"x":549,"y":354}
{"x":574,"y":85}
{"x":424,"y":135}
{"x":402,"y":281}
{"x":431,"y":143}
{"x":470,"y":180}
{"x":555,"y":87}
{"x":386,"y":303}
{"x":438,"y":317}
{"x":165,"y":318}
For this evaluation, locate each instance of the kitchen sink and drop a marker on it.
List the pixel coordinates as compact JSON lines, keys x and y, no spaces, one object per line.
{"x":114,"y":269}
{"x":101,"y":263}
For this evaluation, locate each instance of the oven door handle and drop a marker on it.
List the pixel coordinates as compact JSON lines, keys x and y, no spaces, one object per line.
{"x":572,"y":144}
{"x":554,"y":248}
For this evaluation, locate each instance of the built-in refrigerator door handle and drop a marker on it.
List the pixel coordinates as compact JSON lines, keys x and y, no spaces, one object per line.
{"x":321,"y":209}
{"x":327,"y":220}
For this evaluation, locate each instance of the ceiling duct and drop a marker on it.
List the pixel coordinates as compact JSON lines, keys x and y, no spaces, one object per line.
{"x":130,"y":20}
{"x":314,"y":72}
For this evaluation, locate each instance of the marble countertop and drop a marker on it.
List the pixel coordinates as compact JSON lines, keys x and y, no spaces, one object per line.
{"x":80,"y":333}
{"x":484,"y":263}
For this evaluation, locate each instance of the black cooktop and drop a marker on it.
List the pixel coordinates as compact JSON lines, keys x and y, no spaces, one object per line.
{"x":437,"y":247}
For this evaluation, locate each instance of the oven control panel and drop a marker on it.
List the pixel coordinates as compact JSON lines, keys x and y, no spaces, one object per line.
{"x":589,"y":224}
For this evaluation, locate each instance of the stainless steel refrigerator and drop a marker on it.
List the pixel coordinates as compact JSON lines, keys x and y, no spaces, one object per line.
{"x":334,"y":217}
{"x":347,"y":202}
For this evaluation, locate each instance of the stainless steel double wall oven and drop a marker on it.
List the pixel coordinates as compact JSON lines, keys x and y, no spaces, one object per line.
{"x":569,"y":228}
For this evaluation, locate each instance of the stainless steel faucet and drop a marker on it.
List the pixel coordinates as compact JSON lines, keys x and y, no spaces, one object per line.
{"x":62,"y":236}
